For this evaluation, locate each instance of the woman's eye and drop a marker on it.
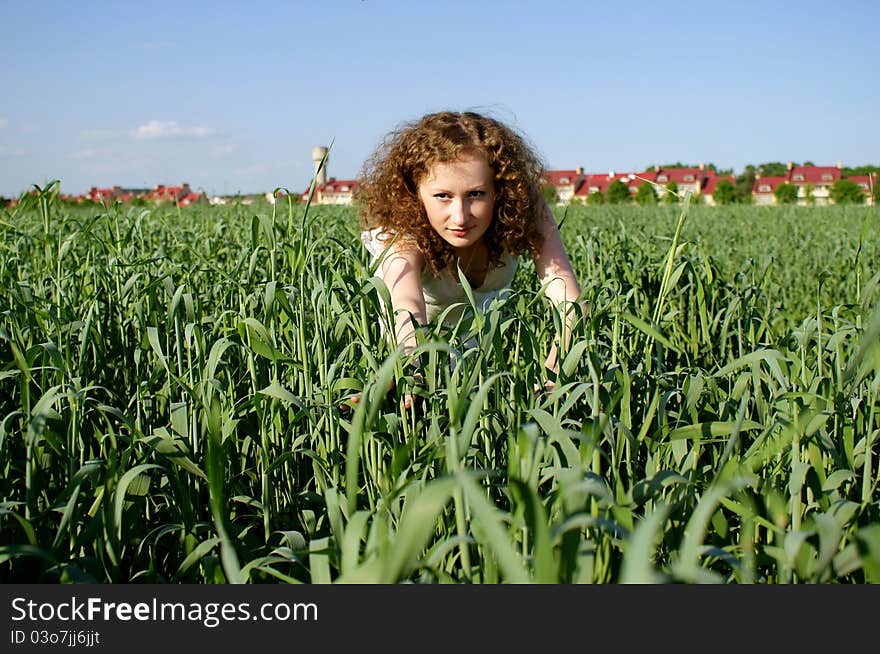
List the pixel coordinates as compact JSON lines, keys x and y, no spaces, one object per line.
{"x":441,"y":196}
{"x":477,"y":194}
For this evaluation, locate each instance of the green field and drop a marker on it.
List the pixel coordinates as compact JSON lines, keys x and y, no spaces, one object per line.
{"x":175,"y":405}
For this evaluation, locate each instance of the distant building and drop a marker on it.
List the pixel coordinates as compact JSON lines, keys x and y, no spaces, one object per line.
{"x":868,"y":183}
{"x":182,"y":195}
{"x":687,"y":180}
{"x":328,"y":190}
{"x":593,"y":183}
{"x":635,"y":180}
{"x":566,"y":182}
{"x":814,"y":182}
{"x":764,"y":189}
{"x":575,"y":185}
{"x":710,"y":184}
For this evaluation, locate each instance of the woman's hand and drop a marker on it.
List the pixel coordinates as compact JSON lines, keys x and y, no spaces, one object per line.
{"x":551,"y":372}
{"x":409,"y":399}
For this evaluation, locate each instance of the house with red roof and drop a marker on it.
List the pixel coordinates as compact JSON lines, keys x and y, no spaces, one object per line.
{"x":868,"y":183}
{"x":635,"y":180}
{"x":631,"y":180}
{"x":710,"y":183}
{"x":162,"y":193}
{"x":333,"y":191}
{"x":101,"y":195}
{"x":599,"y":183}
{"x":182,"y":195}
{"x":190,"y":198}
{"x":764,"y":189}
{"x":566,"y":182}
{"x":814,"y":182}
{"x":686,"y":179}
{"x":592,"y":183}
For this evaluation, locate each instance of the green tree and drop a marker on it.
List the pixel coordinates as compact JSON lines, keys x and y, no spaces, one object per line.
{"x":671,"y":195}
{"x":809,"y":195}
{"x":550,"y":194}
{"x":617,"y":192}
{"x":725,"y":192}
{"x":786,"y":193}
{"x":645,"y":194}
{"x":595,"y":197}
{"x":846,"y":171}
{"x":744,"y":185}
{"x":774,"y":169}
{"x":845,"y":191}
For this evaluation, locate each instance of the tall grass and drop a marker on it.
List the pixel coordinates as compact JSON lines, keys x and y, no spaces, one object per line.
{"x":175,"y":404}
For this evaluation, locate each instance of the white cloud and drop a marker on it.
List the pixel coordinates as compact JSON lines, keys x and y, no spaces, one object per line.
{"x":165,"y":129}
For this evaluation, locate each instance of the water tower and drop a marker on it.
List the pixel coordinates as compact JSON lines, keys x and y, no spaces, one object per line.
{"x":318,"y":153}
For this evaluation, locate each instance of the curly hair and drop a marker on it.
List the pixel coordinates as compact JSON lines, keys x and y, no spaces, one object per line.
{"x":387,"y":192}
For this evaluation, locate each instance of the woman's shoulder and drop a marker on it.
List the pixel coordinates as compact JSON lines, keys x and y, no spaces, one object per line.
{"x":376,"y":240}
{"x":381,"y":244}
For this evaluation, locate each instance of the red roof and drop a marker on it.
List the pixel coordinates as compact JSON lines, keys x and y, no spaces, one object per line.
{"x":556,"y":177}
{"x":332,"y":186}
{"x":592,"y":183}
{"x":96,"y":194}
{"x":641,"y":178}
{"x":189,"y":198}
{"x":626,"y":178}
{"x":712,"y":182}
{"x":339,"y":186}
{"x":864,"y":181}
{"x":680,"y":175}
{"x":771,"y":182}
{"x":814,"y":174}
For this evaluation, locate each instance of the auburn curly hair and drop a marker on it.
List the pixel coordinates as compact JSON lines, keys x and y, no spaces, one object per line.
{"x":387,"y":192}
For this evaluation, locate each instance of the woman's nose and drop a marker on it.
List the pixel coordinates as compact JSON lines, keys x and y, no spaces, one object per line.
{"x":458,"y":212}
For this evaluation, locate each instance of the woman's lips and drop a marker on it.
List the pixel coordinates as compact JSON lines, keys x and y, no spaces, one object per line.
{"x":459,"y":232}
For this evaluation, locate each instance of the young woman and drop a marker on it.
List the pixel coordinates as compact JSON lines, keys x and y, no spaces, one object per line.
{"x":458,"y":190}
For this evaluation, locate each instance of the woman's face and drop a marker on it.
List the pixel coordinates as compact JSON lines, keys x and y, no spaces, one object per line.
{"x":459,"y":198}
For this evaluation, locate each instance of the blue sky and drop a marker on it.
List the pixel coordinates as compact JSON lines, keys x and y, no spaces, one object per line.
{"x":231,"y":97}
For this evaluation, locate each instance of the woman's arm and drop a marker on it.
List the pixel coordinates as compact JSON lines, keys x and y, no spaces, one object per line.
{"x":555,"y":271}
{"x":402,"y":274}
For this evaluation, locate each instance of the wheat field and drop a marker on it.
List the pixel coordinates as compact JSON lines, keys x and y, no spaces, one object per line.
{"x":176,"y":405}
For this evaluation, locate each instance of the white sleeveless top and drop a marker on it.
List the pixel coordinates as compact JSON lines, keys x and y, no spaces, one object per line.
{"x":440,"y":293}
